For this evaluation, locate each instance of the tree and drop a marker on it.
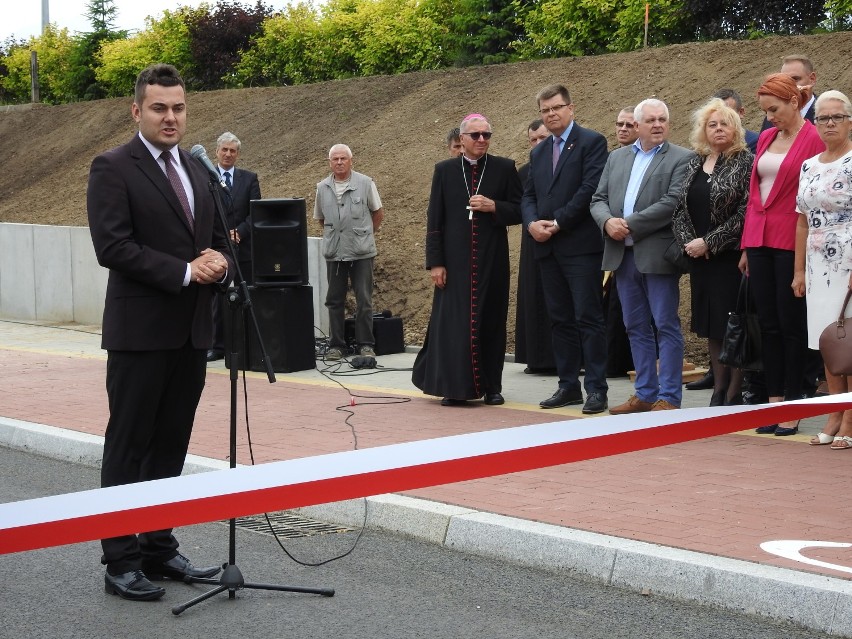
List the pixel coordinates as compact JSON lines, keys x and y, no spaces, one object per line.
{"x":482,"y":31}
{"x":397,"y":36}
{"x":290,"y":49}
{"x":53,"y":48}
{"x":738,"y":19}
{"x":164,"y":38}
{"x":218,"y":39}
{"x":8,"y":96}
{"x":102,"y":15}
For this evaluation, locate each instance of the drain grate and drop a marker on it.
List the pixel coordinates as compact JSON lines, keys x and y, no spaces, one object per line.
{"x":288,"y":525}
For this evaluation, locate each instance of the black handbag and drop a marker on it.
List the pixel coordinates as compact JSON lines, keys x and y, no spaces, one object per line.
{"x":675,"y":256}
{"x":835,"y":345}
{"x":741,"y":344}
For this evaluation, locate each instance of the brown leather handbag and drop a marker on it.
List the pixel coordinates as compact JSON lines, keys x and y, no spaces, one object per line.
{"x":835,"y":343}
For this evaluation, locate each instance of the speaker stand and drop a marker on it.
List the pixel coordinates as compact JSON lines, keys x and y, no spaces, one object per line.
{"x":239,"y":304}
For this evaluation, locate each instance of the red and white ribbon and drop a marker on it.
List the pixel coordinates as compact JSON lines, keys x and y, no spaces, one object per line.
{"x":193,"y":499}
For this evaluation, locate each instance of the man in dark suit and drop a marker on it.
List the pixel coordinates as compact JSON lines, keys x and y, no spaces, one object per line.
{"x":801,"y":69}
{"x":242,"y":188}
{"x":735,"y":101}
{"x":533,"y":341}
{"x":151,"y":216}
{"x":564,"y":171}
{"x":633,"y":206}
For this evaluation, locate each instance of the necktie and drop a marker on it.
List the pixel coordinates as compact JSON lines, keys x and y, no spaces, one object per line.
{"x":557,"y":147}
{"x":177,"y":185}
{"x":228,"y":179}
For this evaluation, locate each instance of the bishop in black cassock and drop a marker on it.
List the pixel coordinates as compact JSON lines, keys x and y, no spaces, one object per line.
{"x":473,"y":199}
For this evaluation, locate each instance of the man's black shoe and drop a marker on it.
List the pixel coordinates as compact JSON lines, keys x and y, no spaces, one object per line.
{"x":133,"y":585}
{"x":595,"y":403}
{"x":494,"y":399}
{"x":562,"y":397}
{"x":704,"y":383}
{"x":177,"y":568}
{"x":214,"y":353}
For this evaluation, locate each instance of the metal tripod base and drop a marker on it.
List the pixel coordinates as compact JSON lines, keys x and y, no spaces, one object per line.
{"x":232,"y":580}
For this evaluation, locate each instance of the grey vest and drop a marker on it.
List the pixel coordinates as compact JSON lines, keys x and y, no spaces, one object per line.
{"x":348,"y":225}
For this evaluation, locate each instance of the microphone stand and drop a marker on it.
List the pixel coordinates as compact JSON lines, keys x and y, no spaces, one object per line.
{"x":239,"y":304}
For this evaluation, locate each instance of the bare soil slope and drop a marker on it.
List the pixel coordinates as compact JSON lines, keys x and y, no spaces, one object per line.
{"x":395,"y":126}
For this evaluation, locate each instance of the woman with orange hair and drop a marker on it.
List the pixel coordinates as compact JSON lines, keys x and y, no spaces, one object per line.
{"x":769,"y":239}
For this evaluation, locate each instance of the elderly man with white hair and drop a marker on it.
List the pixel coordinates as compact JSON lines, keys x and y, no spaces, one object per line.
{"x":473,"y":198}
{"x":350,"y":210}
{"x":633,"y":206}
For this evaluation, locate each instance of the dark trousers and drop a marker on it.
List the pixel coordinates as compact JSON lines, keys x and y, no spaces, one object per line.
{"x":574,"y":296}
{"x":783,"y":320}
{"x":360,"y":274}
{"x":152,"y":400}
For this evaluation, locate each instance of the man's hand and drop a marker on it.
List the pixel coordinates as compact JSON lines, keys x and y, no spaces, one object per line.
{"x":616,"y":228}
{"x":235,"y":237}
{"x":482,"y":204}
{"x":208,"y":268}
{"x":439,"y":276}
{"x":542,"y":230}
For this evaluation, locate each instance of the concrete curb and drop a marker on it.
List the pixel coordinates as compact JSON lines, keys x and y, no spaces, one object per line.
{"x":814,"y":601}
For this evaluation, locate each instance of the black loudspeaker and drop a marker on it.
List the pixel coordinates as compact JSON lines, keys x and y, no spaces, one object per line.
{"x":387,"y":331}
{"x":279,"y":242}
{"x":285,"y":317}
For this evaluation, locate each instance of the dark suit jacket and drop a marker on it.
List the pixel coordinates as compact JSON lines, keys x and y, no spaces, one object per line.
{"x":564,"y":195}
{"x":751,"y":140}
{"x":246,"y":188}
{"x":140,"y":233}
{"x":651,"y":222}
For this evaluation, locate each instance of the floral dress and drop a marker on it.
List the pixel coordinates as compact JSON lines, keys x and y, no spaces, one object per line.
{"x":825,"y":197}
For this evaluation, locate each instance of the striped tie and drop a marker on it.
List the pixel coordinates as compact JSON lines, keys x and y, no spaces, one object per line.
{"x":177,"y":185}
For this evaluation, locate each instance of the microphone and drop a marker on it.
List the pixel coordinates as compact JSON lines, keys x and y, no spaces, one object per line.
{"x":200,"y":154}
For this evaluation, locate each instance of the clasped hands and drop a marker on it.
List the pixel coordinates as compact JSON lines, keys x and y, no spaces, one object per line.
{"x":209,"y":267}
{"x":616,"y":228}
{"x":697,"y":248}
{"x":542,"y":230}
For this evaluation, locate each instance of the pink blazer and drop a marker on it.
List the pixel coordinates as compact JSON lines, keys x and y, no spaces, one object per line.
{"x":773,"y":224}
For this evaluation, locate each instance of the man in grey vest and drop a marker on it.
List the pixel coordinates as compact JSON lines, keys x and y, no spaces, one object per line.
{"x":350,"y":210}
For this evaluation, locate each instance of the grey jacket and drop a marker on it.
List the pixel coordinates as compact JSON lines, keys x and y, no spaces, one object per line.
{"x":651,"y":222}
{"x":347,"y":233}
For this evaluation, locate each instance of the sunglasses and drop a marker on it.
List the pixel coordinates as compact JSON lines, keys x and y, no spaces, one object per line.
{"x":485,"y":135}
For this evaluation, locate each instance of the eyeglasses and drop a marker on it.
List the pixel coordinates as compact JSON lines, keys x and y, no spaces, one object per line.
{"x":475,"y":135}
{"x":624,"y":125}
{"x":552,"y":109}
{"x":837,"y":118}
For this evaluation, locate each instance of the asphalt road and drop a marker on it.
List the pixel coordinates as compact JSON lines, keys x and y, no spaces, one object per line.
{"x":389,"y":587}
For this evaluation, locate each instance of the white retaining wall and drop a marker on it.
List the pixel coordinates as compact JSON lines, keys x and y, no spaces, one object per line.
{"x":50,"y":274}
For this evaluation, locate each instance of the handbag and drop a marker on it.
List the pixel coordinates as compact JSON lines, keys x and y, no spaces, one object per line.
{"x":835,"y":346}
{"x":741,"y":346}
{"x":675,"y":256}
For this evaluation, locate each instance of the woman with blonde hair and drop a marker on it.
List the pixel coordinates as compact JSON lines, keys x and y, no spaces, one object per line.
{"x":769,"y":239}
{"x":823,"y":268}
{"x":708,"y":224}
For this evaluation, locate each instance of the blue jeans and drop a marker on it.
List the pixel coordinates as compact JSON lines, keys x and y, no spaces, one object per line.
{"x":647,"y":296}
